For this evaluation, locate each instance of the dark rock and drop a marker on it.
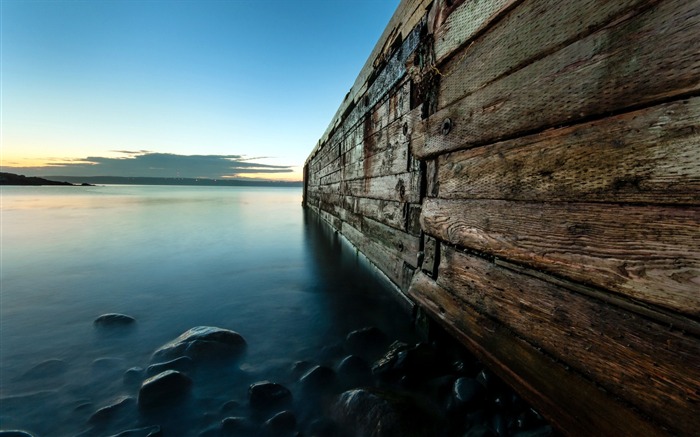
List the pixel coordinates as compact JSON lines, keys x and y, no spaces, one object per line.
{"x":354,"y":371}
{"x":133,"y":376}
{"x":300,"y":368}
{"x":203,"y":342}
{"x":236,"y":426}
{"x":419,"y":361}
{"x":366,"y":342}
{"x":319,"y":377}
{"x":267,"y":395}
{"x":148,"y":431}
{"x":330,"y":353}
{"x":323,"y":428}
{"x":14,"y":433}
{"x":114,"y":319}
{"x":468,"y":391}
{"x":544,"y":431}
{"x":163,"y":388}
{"x":46,"y":369}
{"x":479,"y":431}
{"x":182,"y":364}
{"x":280,"y":423}
{"x":229,"y":407}
{"x":105,"y":414}
{"x":385,"y":364}
{"x":380,"y":413}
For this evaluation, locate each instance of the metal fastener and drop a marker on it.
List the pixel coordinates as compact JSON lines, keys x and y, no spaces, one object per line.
{"x":446,"y":126}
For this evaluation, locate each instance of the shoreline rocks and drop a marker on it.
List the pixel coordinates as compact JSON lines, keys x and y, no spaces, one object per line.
{"x":203,"y":343}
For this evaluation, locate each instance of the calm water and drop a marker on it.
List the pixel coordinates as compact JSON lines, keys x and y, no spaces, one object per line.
{"x":246,"y":259}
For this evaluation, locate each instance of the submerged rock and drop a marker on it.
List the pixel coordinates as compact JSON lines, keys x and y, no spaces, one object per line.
{"x":14,"y":433}
{"x":182,"y":364}
{"x":236,"y":426}
{"x":380,"y":413}
{"x":366,"y":342}
{"x":318,"y":378}
{"x":468,"y":391}
{"x":105,"y":414}
{"x":148,"y":431}
{"x":133,"y":376}
{"x":165,"y":387}
{"x":203,"y":342}
{"x":114,"y":319}
{"x":46,"y":369}
{"x":266,"y":394}
{"x":283,"y":422}
{"x":353,"y":371}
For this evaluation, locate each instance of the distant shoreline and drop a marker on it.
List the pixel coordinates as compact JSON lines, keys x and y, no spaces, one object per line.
{"x":118,"y":180}
{"x":21,"y":180}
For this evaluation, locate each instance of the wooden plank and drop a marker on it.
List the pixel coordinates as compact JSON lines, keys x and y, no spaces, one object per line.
{"x":644,"y":59}
{"x":403,"y":187}
{"x":431,"y":257}
{"x":392,"y":160}
{"x":386,"y":260}
{"x":531,"y":31}
{"x":570,"y":402}
{"x":455,"y":27}
{"x":637,"y":359}
{"x":648,"y":253}
{"x":402,"y":244}
{"x":650,"y":155}
{"x":389,"y":212}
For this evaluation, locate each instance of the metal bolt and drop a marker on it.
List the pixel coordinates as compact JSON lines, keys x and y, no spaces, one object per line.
{"x":446,"y":126}
{"x":405,"y":128}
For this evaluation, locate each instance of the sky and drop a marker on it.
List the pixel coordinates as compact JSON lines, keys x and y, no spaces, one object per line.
{"x":166,"y":88}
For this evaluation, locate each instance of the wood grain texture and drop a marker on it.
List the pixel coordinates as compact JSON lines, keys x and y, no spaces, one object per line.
{"x":573,"y":404}
{"x":645,"y":58}
{"x":639,"y":360}
{"x":532,"y":30}
{"x":650,"y":155}
{"x":648,"y":253}
{"x":455,"y":27}
{"x":403,"y":187}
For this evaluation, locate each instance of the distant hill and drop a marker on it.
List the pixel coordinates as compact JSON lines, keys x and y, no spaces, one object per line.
{"x":176,"y":181}
{"x":16,"y":179}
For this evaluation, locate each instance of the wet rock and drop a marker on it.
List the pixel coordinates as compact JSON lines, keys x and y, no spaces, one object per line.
{"x":165,"y":387}
{"x":366,"y":342}
{"x":330,"y":353}
{"x":354,"y":371}
{"x":380,"y":413}
{"x":114,"y":319}
{"x":420,"y":361}
{"x":46,"y":369}
{"x":385,"y":364}
{"x":133,"y":376}
{"x":280,"y":423}
{"x":203,"y":342}
{"x":107,"y":413}
{"x":467,"y":391}
{"x":229,"y":407}
{"x":323,"y":428}
{"x":182,"y":364}
{"x":479,"y":431}
{"x":236,"y":426}
{"x":14,"y":433}
{"x":320,"y":377}
{"x":543,"y":431}
{"x":267,"y":395}
{"x":148,"y":431}
{"x":300,"y":368}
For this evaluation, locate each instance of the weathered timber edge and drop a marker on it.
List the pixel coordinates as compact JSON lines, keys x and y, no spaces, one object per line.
{"x":527,"y":172}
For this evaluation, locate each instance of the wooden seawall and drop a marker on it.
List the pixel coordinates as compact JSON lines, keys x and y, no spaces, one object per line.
{"x":528,"y":173}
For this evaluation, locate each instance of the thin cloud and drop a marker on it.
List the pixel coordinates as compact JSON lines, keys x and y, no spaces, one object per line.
{"x":162,"y":165}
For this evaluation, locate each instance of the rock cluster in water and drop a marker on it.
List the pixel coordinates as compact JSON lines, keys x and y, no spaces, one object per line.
{"x":364,"y":386}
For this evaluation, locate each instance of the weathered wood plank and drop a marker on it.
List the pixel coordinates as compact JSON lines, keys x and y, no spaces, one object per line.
{"x":389,"y":212}
{"x":392,"y":160}
{"x":386,"y":260}
{"x":455,"y":27}
{"x":572,"y":403}
{"x":402,"y":244}
{"x":649,"y":253}
{"x":402,"y":187}
{"x":632,"y":357}
{"x":529,"y":32}
{"x":650,"y":155}
{"x":644,"y":59}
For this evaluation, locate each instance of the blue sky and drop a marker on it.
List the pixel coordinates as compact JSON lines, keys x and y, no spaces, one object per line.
{"x":238,"y":81}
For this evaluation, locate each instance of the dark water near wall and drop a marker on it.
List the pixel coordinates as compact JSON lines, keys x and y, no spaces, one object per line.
{"x":246,"y":259}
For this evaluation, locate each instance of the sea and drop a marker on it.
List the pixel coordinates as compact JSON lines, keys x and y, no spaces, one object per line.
{"x":247,"y":259}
